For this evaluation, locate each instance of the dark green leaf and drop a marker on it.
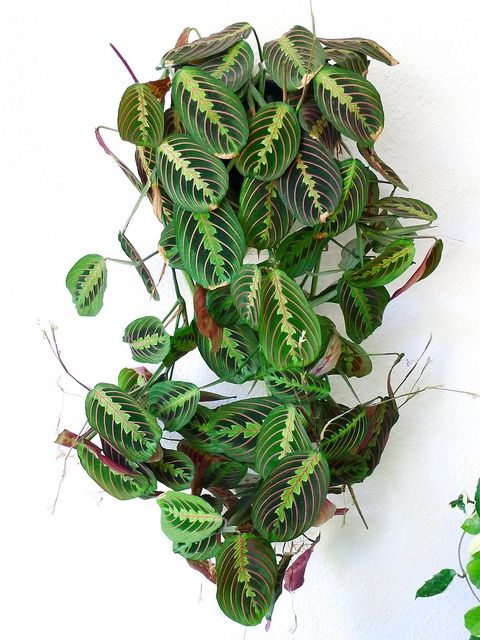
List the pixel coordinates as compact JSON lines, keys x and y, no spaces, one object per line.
{"x":355,"y":182}
{"x":175,"y":470}
{"x":364,"y":46}
{"x":245,"y":288}
{"x":389,"y":265}
{"x":232,"y":67}
{"x":362,"y":309}
{"x":140,"y":266}
{"x":437,"y":584}
{"x":298,"y":253}
{"x":147,"y":339}
{"x":140,"y":117}
{"x":87,"y":281}
{"x":317,"y":126}
{"x":342,"y":435}
{"x":173,"y":402}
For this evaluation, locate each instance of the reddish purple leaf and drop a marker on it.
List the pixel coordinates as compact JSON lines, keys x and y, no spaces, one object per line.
{"x":295,"y":574}
{"x":429,"y":264}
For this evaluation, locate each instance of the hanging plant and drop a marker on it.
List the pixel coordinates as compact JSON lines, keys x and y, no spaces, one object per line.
{"x":250,"y":175}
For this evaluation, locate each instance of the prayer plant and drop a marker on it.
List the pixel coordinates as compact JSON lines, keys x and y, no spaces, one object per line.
{"x":247,"y":168}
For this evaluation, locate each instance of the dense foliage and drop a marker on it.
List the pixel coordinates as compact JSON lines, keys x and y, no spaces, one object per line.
{"x":254,"y":186}
{"x":471,"y":572}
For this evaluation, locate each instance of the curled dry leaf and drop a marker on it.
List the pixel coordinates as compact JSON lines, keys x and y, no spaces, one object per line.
{"x":205,"y":323}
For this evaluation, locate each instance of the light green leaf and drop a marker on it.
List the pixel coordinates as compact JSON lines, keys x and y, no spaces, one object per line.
{"x":187,"y":518}
{"x":87,"y":281}
{"x":148,"y":340}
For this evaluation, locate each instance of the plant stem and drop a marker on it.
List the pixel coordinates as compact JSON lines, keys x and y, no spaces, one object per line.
{"x":464,"y":573}
{"x":254,"y":92}
{"x":143,"y":193}
{"x":127,"y":66}
{"x":316,"y":273}
{"x":359,"y":245}
{"x":357,"y":506}
{"x":56,"y":353}
{"x":131,"y":263}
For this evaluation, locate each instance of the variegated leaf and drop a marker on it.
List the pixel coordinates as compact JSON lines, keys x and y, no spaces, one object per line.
{"x":211,"y":244}
{"x":123,"y":422}
{"x":238,"y":358}
{"x":209,"y":46}
{"x":272,"y":143}
{"x":407,"y":208}
{"x":289,"y":331}
{"x":362,"y":309}
{"x":140,"y":117}
{"x":353,"y":361}
{"x":174,"y":402}
{"x":224,"y":473}
{"x":312,"y":187}
{"x":263,"y":215}
{"x":364,"y":46}
{"x":294,"y":58}
{"x":141,"y":268}
{"x":350,"y":102}
{"x":427,"y":266}
{"x":147,"y":339}
{"x":298,"y":253}
{"x":212,"y":114}
{"x":342,"y":435}
{"x":187,"y":518}
{"x":168,"y":247}
{"x":245,"y":289}
{"x":173,"y":124}
{"x":221,"y":308}
{"x":348,"y":60}
{"x":355,"y":182}
{"x":317,"y":126}
{"x":383,"y":169}
{"x":181,"y":343}
{"x":283,"y":431}
{"x":296,"y":386}
{"x":232,"y":67}
{"x":246,"y":573}
{"x":389,"y":265}
{"x":175,"y":470}
{"x":290,"y":500}
{"x":87,"y":281}
{"x":192,"y":177}
{"x":203,"y":550}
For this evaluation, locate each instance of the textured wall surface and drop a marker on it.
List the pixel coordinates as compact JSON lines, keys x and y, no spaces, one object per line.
{"x":102,"y":569}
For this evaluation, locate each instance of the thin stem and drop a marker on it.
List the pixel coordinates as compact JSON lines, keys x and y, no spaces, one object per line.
{"x":359,"y":245}
{"x":349,"y":385}
{"x":357,"y":506}
{"x":56,"y":353}
{"x":314,"y":284}
{"x":143,"y":193}
{"x":416,"y":363}
{"x":342,"y":246}
{"x":464,"y":573}
{"x":131,"y":263}
{"x":127,"y":66}
{"x":180,"y":298}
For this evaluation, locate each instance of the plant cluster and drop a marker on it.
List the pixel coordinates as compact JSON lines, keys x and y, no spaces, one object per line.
{"x":471,"y":573}
{"x":252,"y":155}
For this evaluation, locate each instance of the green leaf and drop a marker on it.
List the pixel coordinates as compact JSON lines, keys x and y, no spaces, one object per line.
{"x":362,"y":309}
{"x":407,"y":208}
{"x":123,"y":422}
{"x":342,"y":435}
{"x":175,"y":470}
{"x":350,"y":102}
{"x":238,"y":358}
{"x":87,"y":281}
{"x":289,"y":331}
{"x":283,"y":432}
{"x":477,"y":498}
{"x":437,"y":584}
{"x":473,"y":570}
{"x":355,"y":180}
{"x":147,"y":339}
{"x":187,"y":518}
{"x":426,"y":267}
{"x":263,"y":215}
{"x":211,"y":244}
{"x":298,"y":253}
{"x":245,"y":288}
{"x":472,"y":525}
{"x":173,"y":402}
{"x":296,"y":386}
{"x":212,"y":114}
{"x":246,"y":573}
{"x":233,"y":67}
{"x":140,"y":266}
{"x":389,"y":265}
{"x":312,"y":187}
{"x":121,"y":483}
{"x":182,"y":342}
{"x":221,"y":307}
{"x":364,"y":46}
{"x":348,"y":60}
{"x":209,"y":46}
{"x":383,"y":169}
{"x":168,"y":247}
{"x":224,"y":473}
{"x":236,"y":425}
{"x":472,"y":621}
{"x":459,"y":502}
{"x":289,"y":501}
{"x":353,"y":360}
{"x":140,"y":117}
{"x":317,"y":126}
{"x":203,"y":550}
{"x":294,"y":58}
{"x":272,"y":143}
{"x":192,"y":177}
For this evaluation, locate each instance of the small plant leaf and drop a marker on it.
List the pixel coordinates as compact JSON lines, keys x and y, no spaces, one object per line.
{"x":212,"y":114}
{"x":272,"y":143}
{"x":298,"y":253}
{"x":365,"y":46}
{"x":246,"y":573}
{"x":437,"y":584}
{"x":140,"y":266}
{"x":148,"y":340}
{"x":173,"y":402}
{"x":294,"y":58}
{"x":426,"y":267}
{"x":191,"y":176}
{"x":296,"y":386}
{"x":473,"y":570}
{"x":389,"y":265}
{"x":355,"y":182}
{"x":472,"y":621}
{"x":140,"y":117}
{"x":472,"y":525}
{"x":383,"y":169}
{"x":203,"y":550}
{"x":362,"y":309}
{"x":312,"y":187}
{"x":187,"y":518}
{"x":175,"y":470}
{"x":407,"y":208}
{"x":87,"y":281}
{"x":317,"y":126}
{"x":232,"y":67}
{"x":245,"y":288}
{"x":350,"y":102}
{"x":342,"y":435}
{"x":209,"y":46}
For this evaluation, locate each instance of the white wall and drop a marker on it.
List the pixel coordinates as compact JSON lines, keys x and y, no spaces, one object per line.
{"x":101,"y":568}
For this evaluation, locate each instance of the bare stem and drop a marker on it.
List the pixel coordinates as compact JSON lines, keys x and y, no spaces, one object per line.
{"x":125,"y":63}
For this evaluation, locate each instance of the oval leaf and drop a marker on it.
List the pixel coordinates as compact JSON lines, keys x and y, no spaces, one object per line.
{"x":389,"y":265}
{"x":187,"y":518}
{"x":173,"y":402}
{"x":147,"y":339}
{"x":296,"y":386}
{"x":175,"y":470}
{"x":317,"y":126}
{"x":362,"y":309}
{"x":203,"y":550}
{"x":437,"y":584}
{"x":407,"y":208}
{"x":140,"y":117}
{"x":350,"y":102}
{"x":427,"y":266}
{"x":87,"y":281}
{"x":192,"y":177}
{"x":246,"y":574}
{"x":355,"y":180}
{"x":245,"y":288}
{"x":232,"y":67}
{"x":383,"y":169}
{"x":140,"y":266}
{"x":342,"y":435}
{"x":272,"y":143}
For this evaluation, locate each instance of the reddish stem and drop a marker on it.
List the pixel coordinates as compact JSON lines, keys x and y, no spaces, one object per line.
{"x":127,"y":66}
